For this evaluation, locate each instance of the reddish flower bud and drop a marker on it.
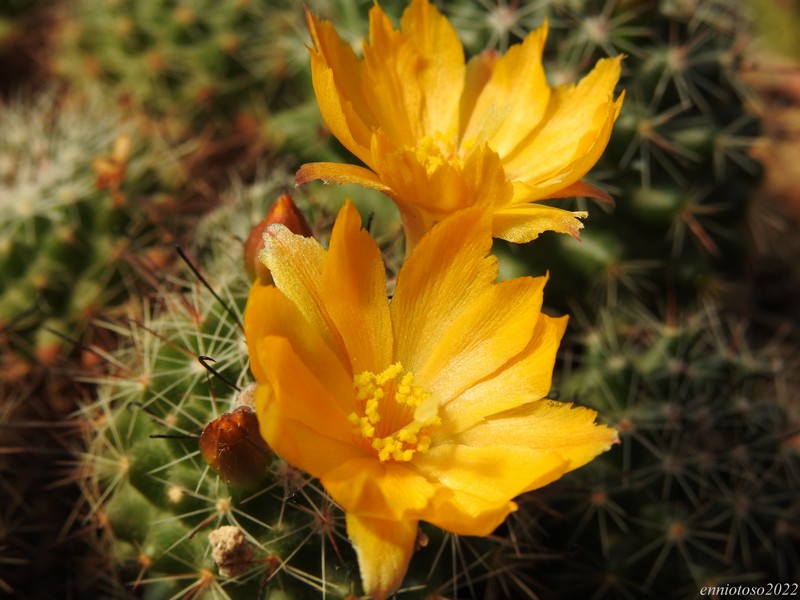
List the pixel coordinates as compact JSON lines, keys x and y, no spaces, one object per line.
{"x":283,"y":211}
{"x":232,"y":445}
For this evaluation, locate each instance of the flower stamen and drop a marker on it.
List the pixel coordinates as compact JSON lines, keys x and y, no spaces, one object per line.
{"x":394,"y":418}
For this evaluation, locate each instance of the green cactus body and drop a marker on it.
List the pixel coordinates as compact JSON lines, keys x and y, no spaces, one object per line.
{"x":699,"y":492}
{"x":240,"y":69}
{"x":71,"y":211}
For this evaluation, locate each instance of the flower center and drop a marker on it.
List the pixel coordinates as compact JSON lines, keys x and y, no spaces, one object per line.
{"x":434,"y":151}
{"x":393,"y":417}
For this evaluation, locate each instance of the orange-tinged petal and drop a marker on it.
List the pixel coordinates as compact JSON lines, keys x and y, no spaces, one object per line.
{"x":583,"y":189}
{"x":270,"y":313}
{"x":438,"y":281}
{"x":479,"y":71}
{"x":420,"y":178}
{"x":524,"y":222}
{"x":390,"y":64}
{"x":384,"y":549}
{"x":590,"y":149}
{"x":494,"y":474}
{"x":437,"y":187}
{"x":517,"y":91}
{"x":255,"y":311}
{"x":388,"y":490}
{"x":494,"y":328}
{"x":440,"y":72}
{"x":546,"y":426}
{"x":296,"y":264}
{"x":354,"y":287}
{"x":526,"y":379}
{"x":576,"y":121}
{"x":339,"y":173}
{"x":298,"y":444}
{"x":298,"y":394}
{"x":489,"y":184}
{"x":463,"y":513}
{"x":562,"y":183}
{"x":336,"y":75}
{"x":413,"y":77}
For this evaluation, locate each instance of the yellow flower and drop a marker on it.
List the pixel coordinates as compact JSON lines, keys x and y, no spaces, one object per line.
{"x":426,"y":407}
{"x":438,"y":135}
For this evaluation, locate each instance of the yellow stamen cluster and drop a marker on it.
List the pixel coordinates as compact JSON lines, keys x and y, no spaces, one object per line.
{"x":434,"y":151}
{"x":387,"y":417}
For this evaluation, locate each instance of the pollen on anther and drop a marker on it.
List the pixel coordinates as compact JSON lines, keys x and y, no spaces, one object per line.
{"x":388,"y":396}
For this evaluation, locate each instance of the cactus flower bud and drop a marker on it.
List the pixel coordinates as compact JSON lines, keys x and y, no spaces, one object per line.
{"x":285,"y":212}
{"x":232,"y":445}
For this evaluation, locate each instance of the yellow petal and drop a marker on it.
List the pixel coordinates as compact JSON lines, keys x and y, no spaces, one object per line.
{"x":524,"y":380}
{"x":483,"y":169}
{"x":295,"y":442}
{"x":339,"y":173}
{"x":463,"y":513}
{"x":546,"y":426}
{"x":479,"y":71}
{"x":388,"y":490}
{"x":574,"y":133}
{"x":312,"y":278}
{"x":439,"y":280}
{"x":583,"y":189}
{"x":517,"y":91}
{"x":354,"y":287}
{"x":256,"y":310}
{"x":384,"y":549}
{"x":296,"y":263}
{"x":336,"y":75}
{"x":493,"y":474}
{"x":421,"y":177}
{"x":524,"y":222}
{"x":298,"y":394}
{"x":495,"y":327}
{"x":270,"y":313}
{"x":413,"y":77}
{"x":440,"y":69}
{"x":416,"y":223}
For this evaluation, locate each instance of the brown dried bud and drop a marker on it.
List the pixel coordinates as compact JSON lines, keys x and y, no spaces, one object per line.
{"x":285,"y":212}
{"x":232,"y":445}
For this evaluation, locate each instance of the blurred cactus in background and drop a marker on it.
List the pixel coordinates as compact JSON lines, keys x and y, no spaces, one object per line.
{"x":702,"y":489}
{"x":25,"y":28}
{"x":76,"y":176}
{"x":238,"y":69}
{"x":11,"y":13}
{"x":181,"y":59}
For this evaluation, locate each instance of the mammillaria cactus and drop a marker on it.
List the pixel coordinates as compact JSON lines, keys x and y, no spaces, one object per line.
{"x":198,"y":66}
{"x":75,"y":177}
{"x":701,"y":490}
